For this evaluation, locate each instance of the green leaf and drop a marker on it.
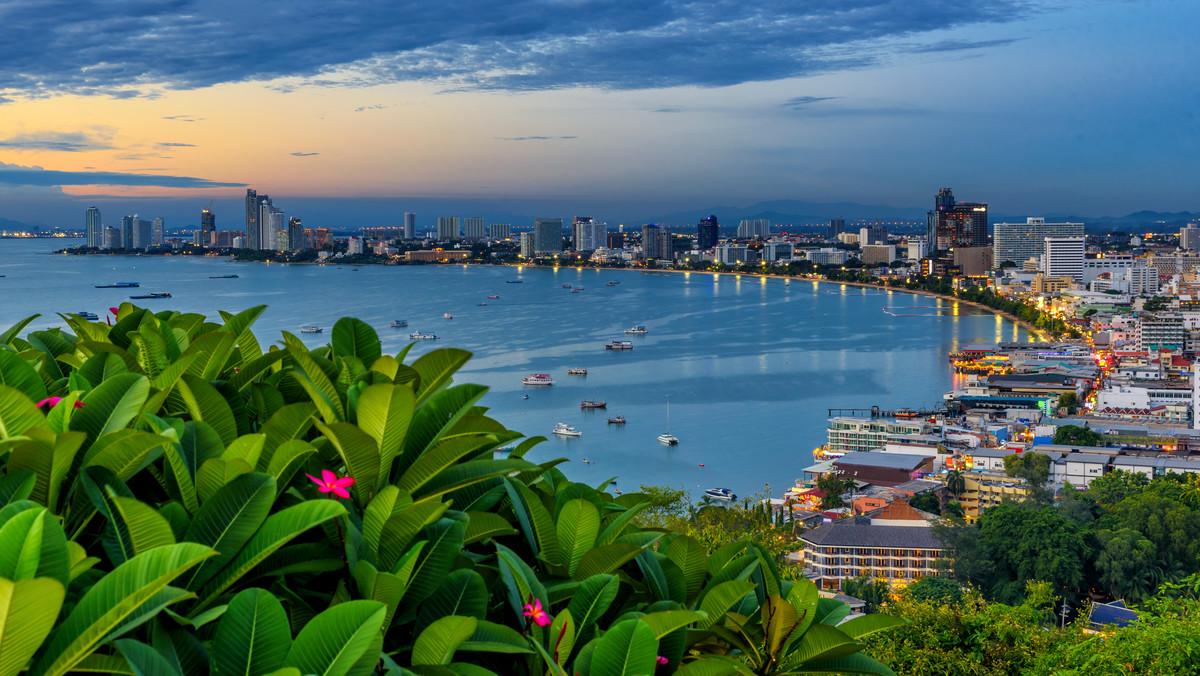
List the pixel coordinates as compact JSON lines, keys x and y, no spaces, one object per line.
{"x":290,"y":422}
{"x":667,"y":621}
{"x":402,"y":527}
{"x":212,"y":350}
{"x":147,"y":528}
{"x":445,"y":538}
{"x":205,"y":403}
{"x":198,"y":443}
{"x":333,"y":641}
{"x":627,"y":649}
{"x":359,"y":453}
{"x":28,"y":609}
{"x":869,"y":624}
{"x":386,"y":588}
{"x":17,"y":413}
{"x":850,"y":664}
{"x":287,"y":460}
{"x":382,"y":507}
{"x":12,"y":331}
{"x":490,"y":637}
{"x":17,"y":373}
{"x":228,"y":520}
{"x":385,"y":412}
{"x":126,"y":452}
{"x":720,"y":599}
{"x":112,"y":405}
{"x":440,"y":640}
{"x":144,"y":660}
{"x":216,"y":473}
{"x":605,"y":559}
{"x":463,"y":592}
{"x":821,"y":642}
{"x":355,"y":338}
{"x":689,"y":555}
{"x":320,"y":389}
{"x":249,"y":372}
{"x":253,"y":638}
{"x":49,"y":458}
{"x":592,"y":600}
{"x":436,"y":367}
{"x":485,"y":525}
{"x":578,"y":526}
{"x":535,"y":520}
{"x":16,"y":485}
{"x":112,"y":603}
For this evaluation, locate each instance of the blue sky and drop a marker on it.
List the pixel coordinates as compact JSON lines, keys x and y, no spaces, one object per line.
{"x":625,"y":108}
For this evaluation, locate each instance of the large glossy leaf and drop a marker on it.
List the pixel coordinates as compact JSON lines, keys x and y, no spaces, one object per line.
{"x":316,"y":383}
{"x":605,"y":559}
{"x":17,"y":413}
{"x":359,"y":453}
{"x":628,"y":648}
{"x":389,"y":501}
{"x":49,"y":458}
{"x":228,"y":520}
{"x":249,"y":372}
{"x":869,"y":624}
{"x":850,"y":664}
{"x":355,"y":338}
{"x":113,"y":602}
{"x":436,"y":417}
{"x":592,"y":600}
{"x":720,"y":598}
{"x":32,"y":545}
{"x":386,"y":588}
{"x":287,"y":460}
{"x":692,"y":559}
{"x":12,"y":331}
{"x":436,"y":368}
{"x":440,"y":640}
{"x":212,"y":350}
{"x":578,"y":526}
{"x":205,"y":403}
{"x":144,"y":660}
{"x":216,"y":473}
{"x":402,"y":527}
{"x":445,"y":538}
{"x":111,"y":406}
{"x":28,"y":609}
{"x":17,"y":485}
{"x":16,"y":373}
{"x":253,"y":638}
{"x":820,"y":642}
{"x":463,"y":592}
{"x":126,"y":454}
{"x":484,"y":525}
{"x":198,"y":443}
{"x":146,"y":528}
{"x":385,"y":412}
{"x":333,"y":641}
{"x":290,"y":422}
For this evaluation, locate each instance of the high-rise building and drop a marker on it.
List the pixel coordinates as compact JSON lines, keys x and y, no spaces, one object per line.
{"x":447,"y":228}
{"x":953,"y":224}
{"x":208,"y":228}
{"x":126,"y":233}
{"x":474,"y":228}
{"x":756,"y":228}
{"x":320,"y":237}
{"x":295,"y":235}
{"x":1189,"y":238}
{"x":836,"y":227}
{"x":527,"y":245}
{"x":112,"y":238}
{"x":708,"y":233}
{"x":410,"y":225}
{"x":93,"y":228}
{"x":141,"y":232}
{"x":1018,"y":242}
{"x":587,"y":234}
{"x":158,"y":231}
{"x":656,"y":243}
{"x":1064,"y":257}
{"x":251,"y":238}
{"x":547,"y":236}
{"x":499,"y":231}
{"x":271,"y":219}
{"x":872,"y":234}
{"x":355,"y":245}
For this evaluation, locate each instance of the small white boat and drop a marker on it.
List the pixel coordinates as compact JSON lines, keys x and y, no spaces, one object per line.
{"x":720,"y":494}
{"x":666,"y":437}
{"x":638,"y":330}
{"x":618,"y":345}
{"x":447,"y":316}
{"x":311,"y":329}
{"x":398,"y":323}
{"x":537,"y":379}
{"x":565,"y":430}
{"x":422,"y":336}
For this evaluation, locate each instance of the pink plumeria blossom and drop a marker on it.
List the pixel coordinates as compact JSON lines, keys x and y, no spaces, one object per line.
{"x":330,"y":483}
{"x":533,"y":610}
{"x":662,"y":660}
{"x":114,"y":310}
{"x":53,"y":401}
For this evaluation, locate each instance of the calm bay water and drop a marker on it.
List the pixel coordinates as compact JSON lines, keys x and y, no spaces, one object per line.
{"x":750,"y":366}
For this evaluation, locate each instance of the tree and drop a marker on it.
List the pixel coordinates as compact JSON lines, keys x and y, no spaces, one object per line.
{"x":1074,"y":435}
{"x":833,"y":487}
{"x":867,"y":588}
{"x":1034,"y":468}
{"x":1112,"y":488}
{"x":666,"y":505}
{"x":1069,"y":401}
{"x":927,"y":502}
{"x":935,"y":589}
{"x":1126,"y":564}
{"x":956,"y":483}
{"x":1031,"y":544}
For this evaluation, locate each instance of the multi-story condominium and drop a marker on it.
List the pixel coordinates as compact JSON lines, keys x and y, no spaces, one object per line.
{"x":848,"y":435}
{"x":447,"y":228}
{"x":954,"y":224}
{"x":1018,"y":242}
{"x":708,"y":233}
{"x":93,"y":228}
{"x":410,"y":225}
{"x":872,"y":234}
{"x":1063,"y":257}
{"x":779,"y":251}
{"x":587,"y":234}
{"x":1189,"y":238}
{"x":733,"y":254}
{"x":754,"y":228}
{"x":1161,"y":332}
{"x":158,"y":233}
{"x":656,"y":243}
{"x":475,"y":228}
{"x":547,"y":235}
{"x":827,"y":256}
{"x":527,"y":248}
{"x":1114,"y":264}
{"x":895,"y":544}
{"x":499,"y":231}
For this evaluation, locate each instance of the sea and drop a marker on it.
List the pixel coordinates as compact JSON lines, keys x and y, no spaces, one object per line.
{"x":742,"y":369}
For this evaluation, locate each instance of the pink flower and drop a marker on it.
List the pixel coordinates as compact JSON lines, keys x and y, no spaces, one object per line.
{"x":662,"y":660}
{"x":53,"y":401}
{"x":330,"y":483}
{"x":533,"y":610}
{"x":114,"y":310}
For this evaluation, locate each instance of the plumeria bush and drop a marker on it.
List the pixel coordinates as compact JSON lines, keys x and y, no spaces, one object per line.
{"x":177,"y":500}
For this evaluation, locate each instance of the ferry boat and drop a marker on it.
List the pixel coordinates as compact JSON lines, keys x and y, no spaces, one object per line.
{"x":592,"y":403}
{"x":638,"y":330}
{"x":619,"y":420}
{"x":222,"y":276}
{"x":398,"y":323}
{"x":537,"y":379}
{"x":118,"y":285}
{"x":90,"y":316}
{"x":906,"y":414}
{"x":577,"y":372}
{"x":311,"y":329}
{"x":578,"y":288}
{"x":566,"y":286}
{"x":613,"y":282}
{"x":618,"y":345}
{"x":575,"y":290}
{"x":514,"y":281}
{"x":493,"y":297}
{"x":157,"y":294}
{"x":565,"y":430}
{"x":417,"y":335}
{"x":720,"y":494}
{"x":447,"y":315}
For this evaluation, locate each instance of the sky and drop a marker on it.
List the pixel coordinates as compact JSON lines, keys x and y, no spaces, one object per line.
{"x":357,"y":111}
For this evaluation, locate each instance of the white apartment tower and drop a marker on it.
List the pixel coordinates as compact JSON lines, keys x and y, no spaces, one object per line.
{"x":587,"y":234}
{"x":95,"y":231}
{"x":1018,"y":242}
{"x":447,"y":228}
{"x":410,"y":225}
{"x":1063,"y":257}
{"x":474,"y":228}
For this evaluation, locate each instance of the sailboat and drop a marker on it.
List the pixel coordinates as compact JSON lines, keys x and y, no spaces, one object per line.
{"x":665,"y":437}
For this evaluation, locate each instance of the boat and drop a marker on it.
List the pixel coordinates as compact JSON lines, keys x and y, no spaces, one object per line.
{"x":537,"y":379}
{"x":311,"y":329}
{"x":481,"y":304}
{"x":493,"y":297}
{"x":638,"y":330}
{"x":514,"y":281}
{"x":447,"y":316}
{"x":574,"y":291}
{"x":906,"y":414}
{"x":565,"y":430}
{"x":157,"y":294}
{"x":118,"y":285}
{"x":613,"y":282}
{"x":566,"y":286}
{"x":577,"y":372}
{"x":619,"y":420}
{"x":90,"y":316}
{"x":720,"y":494}
{"x":398,"y":323}
{"x":666,"y":437}
{"x":618,"y":345}
{"x":578,"y":288}
{"x":222,"y":276}
{"x":417,"y":335}
{"x":592,"y":403}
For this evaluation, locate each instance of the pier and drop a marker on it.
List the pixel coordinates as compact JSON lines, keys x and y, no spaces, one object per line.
{"x":876,"y":412}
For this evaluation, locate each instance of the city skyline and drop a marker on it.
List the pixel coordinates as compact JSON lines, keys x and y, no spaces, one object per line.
{"x":1055,"y":109}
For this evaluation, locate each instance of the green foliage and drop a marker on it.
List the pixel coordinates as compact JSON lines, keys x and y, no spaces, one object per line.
{"x":169,"y":525}
{"x":927,"y":502}
{"x":872,"y":590}
{"x":1074,"y":435}
{"x":935,"y":589}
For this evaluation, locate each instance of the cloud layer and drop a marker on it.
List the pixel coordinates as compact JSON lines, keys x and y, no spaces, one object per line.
{"x":135,"y":47}
{"x":12,"y":174}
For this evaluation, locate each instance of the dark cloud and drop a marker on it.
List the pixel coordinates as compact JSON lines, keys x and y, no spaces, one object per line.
{"x":377,"y":106}
{"x":669,"y":109}
{"x":67,"y":142}
{"x":960,"y":45}
{"x":304,"y":154}
{"x":798,"y":102}
{"x":534,"y":138}
{"x":137,"y":47}
{"x":12,"y":174}
{"x":177,"y":145}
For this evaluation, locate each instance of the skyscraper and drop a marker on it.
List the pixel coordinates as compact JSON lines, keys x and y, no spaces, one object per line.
{"x":547,"y":235}
{"x":475,"y":228}
{"x":1189,"y":238}
{"x":759,"y":228}
{"x":141,"y":232}
{"x":1018,"y":242}
{"x":955,"y":224}
{"x":410,"y":225}
{"x":251,"y":240}
{"x":498,"y":231}
{"x":95,"y":233}
{"x":707,"y":233}
{"x":872,"y":234}
{"x":656,"y":243}
{"x":126,"y":233}
{"x":158,"y":233}
{"x":527,"y":245}
{"x":208,"y":228}
{"x":112,"y":238}
{"x":1064,"y":257}
{"x":447,"y":228}
{"x":587,"y":234}
{"x":836,"y":227}
{"x":296,"y":238}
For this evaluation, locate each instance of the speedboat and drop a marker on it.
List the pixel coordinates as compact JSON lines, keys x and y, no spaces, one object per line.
{"x":618,"y":345}
{"x":118,"y":285}
{"x":720,"y":494}
{"x":514,"y":281}
{"x":592,"y":403}
{"x":638,"y":330}
{"x":613,"y":282}
{"x":481,"y":304}
{"x":575,"y":290}
{"x":566,"y":286}
{"x":619,"y":420}
{"x":577,"y":372}
{"x":90,"y":316}
{"x":447,"y":316}
{"x":565,"y":430}
{"x":537,"y":379}
{"x":156,"y":294}
{"x":417,"y":335}
{"x":398,"y":323}
{"x":668,"y":439}
{"x":311,"y":329}
{"x":493,"y":297}
{"x":222,"y":276}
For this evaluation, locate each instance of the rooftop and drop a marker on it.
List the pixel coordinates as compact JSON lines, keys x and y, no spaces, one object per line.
{"x":891,"y":460}
{"x":858,"y":532}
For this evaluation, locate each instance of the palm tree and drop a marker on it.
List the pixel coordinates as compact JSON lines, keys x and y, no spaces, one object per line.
{"x":956,"y":483}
